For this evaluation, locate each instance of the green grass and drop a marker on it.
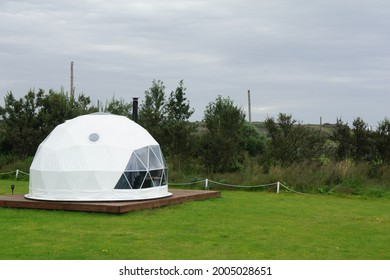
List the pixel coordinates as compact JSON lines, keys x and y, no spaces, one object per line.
{"x":239,"y":225}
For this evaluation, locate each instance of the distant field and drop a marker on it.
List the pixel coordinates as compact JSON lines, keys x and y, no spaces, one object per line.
{"x":239,"y":225}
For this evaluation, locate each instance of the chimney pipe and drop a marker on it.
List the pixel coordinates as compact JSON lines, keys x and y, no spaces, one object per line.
{"x":135,"y":109}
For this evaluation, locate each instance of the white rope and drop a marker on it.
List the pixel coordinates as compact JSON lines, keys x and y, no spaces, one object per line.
{"x":190,"y":183}
{"x":291,"y":190}
{"x":239,"y":186}
{"x":7,"y":173}
{"x":16,"y":172}
{"x":236,"y":186}
{"x":222,"y":184}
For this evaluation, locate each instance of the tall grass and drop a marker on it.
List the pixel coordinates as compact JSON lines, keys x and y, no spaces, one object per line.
{"x":344,"y":177}
{"x":323,"y":176}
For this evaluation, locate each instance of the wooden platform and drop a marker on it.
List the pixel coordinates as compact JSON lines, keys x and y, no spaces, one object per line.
{"x":178,"y":196}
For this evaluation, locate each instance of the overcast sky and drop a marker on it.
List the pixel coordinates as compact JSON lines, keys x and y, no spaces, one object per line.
{"x":308,"y":58}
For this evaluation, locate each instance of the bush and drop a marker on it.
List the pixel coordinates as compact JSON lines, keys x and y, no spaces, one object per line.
{"x":6,"y":159}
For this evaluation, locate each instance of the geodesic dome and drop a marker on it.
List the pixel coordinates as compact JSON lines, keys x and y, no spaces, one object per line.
{"x":98,"y":157}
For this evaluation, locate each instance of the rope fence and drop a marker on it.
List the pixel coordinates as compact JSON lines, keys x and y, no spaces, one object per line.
{"x":206,"y":183}
{"x":187,"y":184}
{"x":17,"y":173}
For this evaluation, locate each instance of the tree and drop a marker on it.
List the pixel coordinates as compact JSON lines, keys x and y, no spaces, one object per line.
{"x":53,"y":110}
{"x":27,"y":121}
{"x":343,"y":138}
{"x":291,"y":142}
{"x":363,"y":146}
{"x":178,"y":129}
{"x":152,"y":111}
{"x":178,"y":108}
{"x":57,"y":107}
{"x":222,"y":140}
{"x":252,"y":141}
{"x":119,"y":107}
{"x":20,"y":125}
{"x":82,"y":106}
{"x":382,"y":139}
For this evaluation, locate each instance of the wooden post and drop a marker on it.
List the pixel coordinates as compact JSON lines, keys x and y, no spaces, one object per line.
{"x":249,"y":106}
{"x":71,"y":80}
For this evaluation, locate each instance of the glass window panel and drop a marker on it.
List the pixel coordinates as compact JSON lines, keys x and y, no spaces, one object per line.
{"x":143,"y":155}
{"x":136,"y":178}
{"x":135,"y":164}
{"x":157,"y":151}
{"x":156,"y":177}
{"x":148,"y":182}
{"x":123,"y":183}
{"x":164,"y":162}
{"x":164,"y":177}
{"x":154,"y":162}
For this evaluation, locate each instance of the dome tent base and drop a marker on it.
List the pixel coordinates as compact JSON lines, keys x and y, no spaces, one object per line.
{"x":116,"y":195}
{"x":177,"y":197}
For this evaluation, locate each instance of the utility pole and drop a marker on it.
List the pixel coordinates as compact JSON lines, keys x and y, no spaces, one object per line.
{"x":71,"y":81}
{"x":249,"y":106}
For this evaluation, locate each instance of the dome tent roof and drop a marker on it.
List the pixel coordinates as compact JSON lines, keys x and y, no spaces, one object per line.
{"x":98,"y":157}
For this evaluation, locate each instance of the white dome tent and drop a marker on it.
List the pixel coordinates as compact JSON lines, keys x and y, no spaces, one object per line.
{"x":98,"y":157}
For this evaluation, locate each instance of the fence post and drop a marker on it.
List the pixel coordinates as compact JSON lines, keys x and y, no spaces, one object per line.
{"x":277,"y":187}
{"x":206,"y":184}
{"x":16,"y":174}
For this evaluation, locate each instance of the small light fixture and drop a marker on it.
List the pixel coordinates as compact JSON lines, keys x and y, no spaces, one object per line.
{"x":12,"y":189}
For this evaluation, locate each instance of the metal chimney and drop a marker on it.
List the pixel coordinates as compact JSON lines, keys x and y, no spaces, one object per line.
{"x":135,"y":109}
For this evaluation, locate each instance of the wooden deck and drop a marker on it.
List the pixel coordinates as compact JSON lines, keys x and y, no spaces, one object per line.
{"x":178,"y":196}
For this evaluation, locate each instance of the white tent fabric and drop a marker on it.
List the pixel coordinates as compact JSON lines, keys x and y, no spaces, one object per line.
{"x":98,"y":157}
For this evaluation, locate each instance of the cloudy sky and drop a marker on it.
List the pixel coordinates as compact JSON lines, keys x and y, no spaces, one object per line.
{"x":308,"y":58}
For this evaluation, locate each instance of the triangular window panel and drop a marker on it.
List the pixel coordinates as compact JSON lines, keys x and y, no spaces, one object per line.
{"x":137,"y":178}
{"x":148,"y":182}
{"x":164,"y":161}
{"x":157,"y":152}
{"x":156,"y":176}
{"x":164,"y":178}
{"x":135,"y":164}
{"x":143,"y":155}
{"x":123,"y":183}
{"x":154,"y":162}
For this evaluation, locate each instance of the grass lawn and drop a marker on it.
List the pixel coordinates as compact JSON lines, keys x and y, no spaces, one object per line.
{"x":239,"y":225}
